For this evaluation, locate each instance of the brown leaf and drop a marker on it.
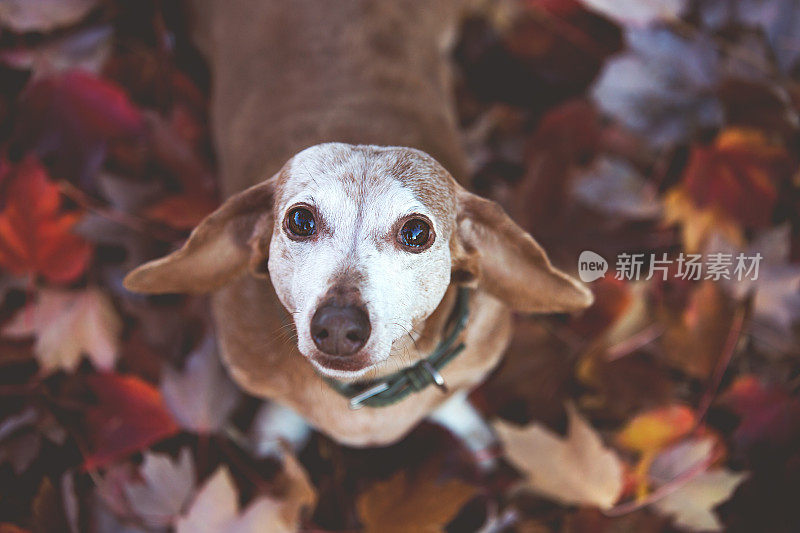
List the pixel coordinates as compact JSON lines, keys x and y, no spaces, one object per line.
{"x":405,"y":503}
{"x":695,"y":339}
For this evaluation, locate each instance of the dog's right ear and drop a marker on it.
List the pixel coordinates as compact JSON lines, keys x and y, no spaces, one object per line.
{"x":219,"y":248}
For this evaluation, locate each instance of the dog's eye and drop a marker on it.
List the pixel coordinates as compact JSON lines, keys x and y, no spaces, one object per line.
{"x":300,"y":222}
{"x":415,"y":233}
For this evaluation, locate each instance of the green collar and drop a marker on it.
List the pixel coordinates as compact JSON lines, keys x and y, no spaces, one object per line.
{"x":394,"y":387}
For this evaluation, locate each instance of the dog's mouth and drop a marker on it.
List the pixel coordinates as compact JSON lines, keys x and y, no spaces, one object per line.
{"x":341,"y":367}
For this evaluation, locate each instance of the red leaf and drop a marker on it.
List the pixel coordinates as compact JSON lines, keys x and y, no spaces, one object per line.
{"x":74,"y":115}
{"x":770,"y":416}
{"x":35,"y":235}
{"x":99,"y":106}
{"x":183,"y":211}
{"x":740,"y":174}
{"x":130,"y":415}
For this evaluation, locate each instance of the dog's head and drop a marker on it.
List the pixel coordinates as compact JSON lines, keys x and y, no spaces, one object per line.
{"x":361,"y":243}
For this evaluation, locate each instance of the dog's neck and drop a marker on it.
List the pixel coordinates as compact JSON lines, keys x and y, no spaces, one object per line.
{"x":288,"y":75}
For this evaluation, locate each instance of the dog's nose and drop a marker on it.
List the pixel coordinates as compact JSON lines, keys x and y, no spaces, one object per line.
{"x":340,"y":330}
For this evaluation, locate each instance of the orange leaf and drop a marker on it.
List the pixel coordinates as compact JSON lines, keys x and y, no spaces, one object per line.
{"x":35,"y":235}
{"x":129,"y":416}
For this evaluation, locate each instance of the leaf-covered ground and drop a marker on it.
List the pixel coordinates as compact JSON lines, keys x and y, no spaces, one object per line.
{"x":656,"y":127}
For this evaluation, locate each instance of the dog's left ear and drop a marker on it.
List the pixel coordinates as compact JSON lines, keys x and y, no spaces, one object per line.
{"x":219,"y":248}
{"x":508,"y":263}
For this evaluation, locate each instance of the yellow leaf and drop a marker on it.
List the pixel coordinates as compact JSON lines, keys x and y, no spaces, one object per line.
{"x":655,"y":429}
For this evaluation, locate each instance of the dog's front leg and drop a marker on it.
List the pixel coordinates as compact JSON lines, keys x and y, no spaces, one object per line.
{"x":276,"y":426}
{"x":460,"y":418}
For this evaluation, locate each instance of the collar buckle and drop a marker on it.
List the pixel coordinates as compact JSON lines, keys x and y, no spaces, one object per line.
{"x":438,"y":379}
{"x":356,"y":402}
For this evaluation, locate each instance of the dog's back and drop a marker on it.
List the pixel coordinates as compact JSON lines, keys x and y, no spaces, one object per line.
{"x":290,"y":74}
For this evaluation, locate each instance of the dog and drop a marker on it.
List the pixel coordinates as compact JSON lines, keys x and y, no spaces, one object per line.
{"x":338,"y":146}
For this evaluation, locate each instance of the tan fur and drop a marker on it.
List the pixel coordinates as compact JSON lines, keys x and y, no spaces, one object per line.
{"x":288,"y":75}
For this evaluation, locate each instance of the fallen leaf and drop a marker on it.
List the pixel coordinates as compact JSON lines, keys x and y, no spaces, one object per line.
{"x":35,"y":235}
{"x":698,"y":226}
{"x":637,"y":12}
{"x":183,"y":211}
{"x":43,"y":15}
{"x":216,"y":509}
{"x":87,"y":50}
{"x":663,"y":86}
{"x":6,"y":527}
{"x":406,"y":503}
{"x":576,"y":469}
{"x":692,"y":504}
{"x":202,"y":396}
{"x":70,"y":118}
{"x":780,"y":20}
{"x":614,"y":187}
{"x":655,"y":429}
{"x":770,"y":416}
{"x":740,"y":174}
{"x":129,"y":416}
{"x":69,"y":325}
{"x":681,"y":459}
{"x":48,"y":510}
{"x":695,"y":339}
{"x":165,"y":490}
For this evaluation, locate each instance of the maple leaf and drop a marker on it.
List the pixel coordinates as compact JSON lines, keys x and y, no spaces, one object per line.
{"x":692,"y":504}
{"x":637,"y":12}
{"x":43,"y":15}
{"x":216,"y":509}
{"x":576,"y":469}
{"x":695,"y":340}
{"x":35,"y":235}
{"x":183,"y":211}
{"x":614,"y":187}
{"x":87,"y":50}
{"x":662,"y":86}
{"x":129,"y":416}
{"x":653,"y":430}
{"x":166,"y":488}
{"x":694,"y":490}
{"x":780,"y":20}
{"x":770,"y":416}
{"x":740,"y":174}
{"x":727,"y":186}
{"x":72,"y":116}
{"x":68,"y":325}
{"x":201,"y":397}
{"x":406,"y":503}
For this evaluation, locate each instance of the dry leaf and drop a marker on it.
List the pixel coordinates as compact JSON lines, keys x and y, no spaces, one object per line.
{"x":576,"y":469}
{"x":421,"y":504}
{"x":692,"y":505}
{"x":43,"y":15}
{"x":202,"y":396}
{"x":68,"y":325}
{"x":216,"y":509}
{"x":638,"y":12}
{"x":655,"y":429}
{"x":165,"y":490}
{"x":695,"y":340}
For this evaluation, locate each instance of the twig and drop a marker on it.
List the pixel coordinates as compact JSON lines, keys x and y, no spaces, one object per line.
{"x":634,"y":342}
{"x":722,"y":365}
